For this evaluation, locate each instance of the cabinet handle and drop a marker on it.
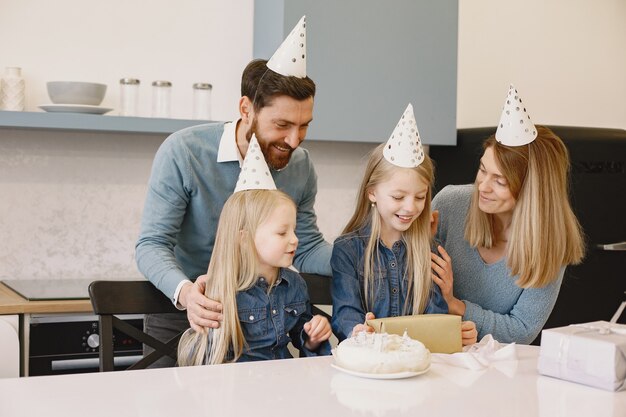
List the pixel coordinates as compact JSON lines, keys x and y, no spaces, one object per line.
{"x":619,"y":246}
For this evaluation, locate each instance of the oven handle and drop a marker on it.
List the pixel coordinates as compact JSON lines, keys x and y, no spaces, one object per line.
{"x":71,"y":364}
{"x":618,"y":246}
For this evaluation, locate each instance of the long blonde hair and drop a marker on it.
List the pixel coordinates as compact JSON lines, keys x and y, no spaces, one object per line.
{"x":233,"y":268}
{"x":416,"y":238}
{"x":545,"y":234}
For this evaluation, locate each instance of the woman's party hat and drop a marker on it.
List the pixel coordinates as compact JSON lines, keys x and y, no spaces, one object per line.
{"x":515,"y":127}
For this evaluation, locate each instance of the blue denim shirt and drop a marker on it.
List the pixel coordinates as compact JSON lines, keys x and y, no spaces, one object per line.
{"x":390,"y":287}
{"x":270,"y":321}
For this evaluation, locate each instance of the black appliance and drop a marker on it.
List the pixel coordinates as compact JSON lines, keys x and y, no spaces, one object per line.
{"x":69,"y":343}
{"x":594,"y":289}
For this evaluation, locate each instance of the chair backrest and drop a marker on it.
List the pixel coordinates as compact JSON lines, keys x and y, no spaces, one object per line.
{"x":319,"y":292}
{"x":111,"y":298}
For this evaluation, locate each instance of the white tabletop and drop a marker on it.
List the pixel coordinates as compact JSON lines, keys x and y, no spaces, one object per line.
{"x":308,"y":387}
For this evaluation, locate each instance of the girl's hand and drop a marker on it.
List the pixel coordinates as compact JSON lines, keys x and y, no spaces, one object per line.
{"x":469,"y":334}
{"x":363,"y":327}
{"x":444,"y":278}
{"x":318,"y":329}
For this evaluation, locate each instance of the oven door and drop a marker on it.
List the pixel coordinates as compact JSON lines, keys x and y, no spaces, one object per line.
{"x":69,"y":343}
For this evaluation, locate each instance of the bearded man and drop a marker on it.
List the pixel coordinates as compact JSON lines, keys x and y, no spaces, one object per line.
{"x":195,"y":171}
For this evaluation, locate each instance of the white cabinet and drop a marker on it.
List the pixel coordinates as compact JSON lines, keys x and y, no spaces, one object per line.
{"x":9,"y":346}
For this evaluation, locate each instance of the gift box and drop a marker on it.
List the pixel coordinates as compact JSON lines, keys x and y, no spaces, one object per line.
{"x":440,"y":333}
{"x":592,"y":354}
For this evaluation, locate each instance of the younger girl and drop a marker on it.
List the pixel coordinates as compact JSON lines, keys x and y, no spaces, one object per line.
{"x":381,"y":263}
{"x":265,"y":305}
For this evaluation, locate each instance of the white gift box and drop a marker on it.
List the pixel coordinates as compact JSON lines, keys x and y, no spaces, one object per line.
{"x":591,"y":353}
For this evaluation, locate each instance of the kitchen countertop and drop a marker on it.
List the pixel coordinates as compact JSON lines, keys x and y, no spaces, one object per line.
{"x":13,"y":303}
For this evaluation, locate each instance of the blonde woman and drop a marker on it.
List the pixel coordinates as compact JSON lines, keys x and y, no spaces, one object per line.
{"x":510,"y":236}
{"x":381,"y":263}
{"x":265,"y":305}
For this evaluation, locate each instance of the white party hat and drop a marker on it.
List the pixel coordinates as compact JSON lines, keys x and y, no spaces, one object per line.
{"x":404,"y":147}
{"x":290,"y":57}
{"x":515,"y":127}
{"x":255,"y":174}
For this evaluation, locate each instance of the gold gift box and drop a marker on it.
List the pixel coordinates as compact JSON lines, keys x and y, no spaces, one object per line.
{"x":440,"y":333}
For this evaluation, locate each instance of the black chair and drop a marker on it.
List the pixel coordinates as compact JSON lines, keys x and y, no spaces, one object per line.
{"x":111,"y":298}
{"x":319,"y":292}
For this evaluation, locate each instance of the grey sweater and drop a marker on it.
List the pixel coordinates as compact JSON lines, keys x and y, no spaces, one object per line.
{"x":493,"y":301}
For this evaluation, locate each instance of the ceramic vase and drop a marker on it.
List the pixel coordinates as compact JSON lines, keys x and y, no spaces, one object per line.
{"x":12,"y":90}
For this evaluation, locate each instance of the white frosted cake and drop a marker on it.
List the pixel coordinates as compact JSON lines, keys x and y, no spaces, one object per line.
{"x":382,"y":353}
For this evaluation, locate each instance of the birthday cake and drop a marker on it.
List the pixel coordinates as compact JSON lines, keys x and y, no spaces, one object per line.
{"x":382,"y":353}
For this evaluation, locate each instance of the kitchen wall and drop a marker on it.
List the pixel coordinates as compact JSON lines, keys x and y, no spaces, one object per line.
{"x":70,"y":202}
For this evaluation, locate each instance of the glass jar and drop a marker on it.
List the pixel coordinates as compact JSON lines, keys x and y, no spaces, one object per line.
{"x":202,"y":101}
{"x":162,"y":99}
{"x":12,"y":90}
{"x":129,"y":97}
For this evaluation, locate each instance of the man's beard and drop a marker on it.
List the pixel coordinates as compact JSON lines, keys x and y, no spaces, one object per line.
{"x":275,"y":162}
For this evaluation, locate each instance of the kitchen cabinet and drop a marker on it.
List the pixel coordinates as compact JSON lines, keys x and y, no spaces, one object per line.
{"x":369,"y":59}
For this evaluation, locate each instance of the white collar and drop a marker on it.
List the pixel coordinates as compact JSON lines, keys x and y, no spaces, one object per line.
{"x":228,"y":150}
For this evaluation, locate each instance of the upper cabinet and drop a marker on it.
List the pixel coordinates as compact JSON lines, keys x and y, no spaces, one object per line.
{"x":369,"y":59}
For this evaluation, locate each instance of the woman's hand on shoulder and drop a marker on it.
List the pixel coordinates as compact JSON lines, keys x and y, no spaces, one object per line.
{"x":442,"y":271}
{"x":318,"y":330}
{"x":202,"y":312}
{"x":469,"y":334}
{"x":443,"y":275}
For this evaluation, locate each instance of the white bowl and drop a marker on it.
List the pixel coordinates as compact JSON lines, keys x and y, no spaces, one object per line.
{"x":76,"y":92}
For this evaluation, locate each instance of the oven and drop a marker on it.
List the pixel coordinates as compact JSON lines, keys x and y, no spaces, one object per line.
{"x":69,"y":343}
{"x":62,"y":343}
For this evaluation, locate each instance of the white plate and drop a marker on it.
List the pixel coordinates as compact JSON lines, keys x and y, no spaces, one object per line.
{"x":74,"y":108}
{"x":396,"y":375}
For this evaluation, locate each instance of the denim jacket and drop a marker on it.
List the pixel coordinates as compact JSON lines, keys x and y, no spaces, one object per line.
{"x":270,"y":321}
{"x":390,"y":286}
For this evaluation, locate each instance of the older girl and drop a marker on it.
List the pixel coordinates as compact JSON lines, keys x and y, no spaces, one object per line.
{"x":381,"y":263}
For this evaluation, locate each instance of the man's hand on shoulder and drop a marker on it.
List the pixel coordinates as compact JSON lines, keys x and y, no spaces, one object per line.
{"x":202,"y":312}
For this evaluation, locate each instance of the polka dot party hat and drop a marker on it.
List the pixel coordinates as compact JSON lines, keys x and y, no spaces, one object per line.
{"x":290,"y":57}
{"x":515,"y":127}
{"x":255,"y":174}
{"x":404,"y":147}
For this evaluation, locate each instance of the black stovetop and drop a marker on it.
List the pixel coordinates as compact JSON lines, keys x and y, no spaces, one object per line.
{"x":50,"y":289}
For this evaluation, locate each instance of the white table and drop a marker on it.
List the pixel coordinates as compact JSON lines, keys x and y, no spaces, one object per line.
{"x":307,"y":387}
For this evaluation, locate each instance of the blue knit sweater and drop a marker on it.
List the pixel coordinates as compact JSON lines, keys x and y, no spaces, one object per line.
{"x":493,"y":301}
{"x":186,"y":192}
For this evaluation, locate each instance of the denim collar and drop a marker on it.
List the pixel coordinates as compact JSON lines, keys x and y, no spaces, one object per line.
{"x":365,"y":232}
{"x":282,"y":278}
